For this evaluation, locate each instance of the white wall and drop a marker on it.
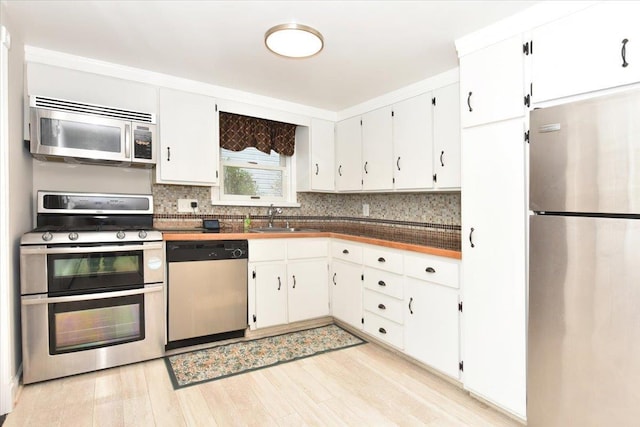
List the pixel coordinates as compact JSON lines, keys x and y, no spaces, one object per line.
{"x":19,"y":175}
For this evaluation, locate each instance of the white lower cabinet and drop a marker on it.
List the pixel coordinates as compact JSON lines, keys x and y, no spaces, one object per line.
{"x":431,"y":325}
{"x":271,"y":294}
{"x":346,"y":292}
{"x":288,"y":281}
{"x":308,"y":293}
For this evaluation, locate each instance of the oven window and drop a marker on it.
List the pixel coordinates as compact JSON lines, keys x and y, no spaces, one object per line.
{"x":94,"y":271}
{"x":82,"y":325}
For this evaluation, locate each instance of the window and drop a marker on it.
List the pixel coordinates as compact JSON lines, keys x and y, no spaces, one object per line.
{"x":257,"y":161}
{"x":251,"y":175}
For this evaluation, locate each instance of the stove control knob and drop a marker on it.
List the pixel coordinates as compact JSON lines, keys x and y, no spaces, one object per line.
{"x":73,"y":236}
{"x":120,"y":234}
{"x":142,"y":234}
{"x":47,"y":236}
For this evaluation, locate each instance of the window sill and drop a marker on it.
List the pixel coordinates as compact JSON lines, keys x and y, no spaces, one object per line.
{"x":262,"y":203}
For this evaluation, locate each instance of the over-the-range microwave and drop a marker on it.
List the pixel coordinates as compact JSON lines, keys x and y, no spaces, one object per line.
{"x":85,"y":133}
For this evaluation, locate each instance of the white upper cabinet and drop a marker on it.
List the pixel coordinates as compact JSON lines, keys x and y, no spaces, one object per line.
{"x":596,"y":48}
{"x":348,"y":164}
{"x":413,"y":143}
{"x":491,"y":83}
{"x":322,"y":155}
{"x":446,"y":137}
{"x":377,"y":150}
{"x":189,"y":139}
{"x":315,"y":156}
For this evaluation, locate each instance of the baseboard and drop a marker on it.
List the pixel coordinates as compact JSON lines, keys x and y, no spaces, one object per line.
{"x":2,"y":418}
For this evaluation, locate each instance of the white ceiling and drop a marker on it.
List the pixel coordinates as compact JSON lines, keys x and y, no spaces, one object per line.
{"x":371,"y":47}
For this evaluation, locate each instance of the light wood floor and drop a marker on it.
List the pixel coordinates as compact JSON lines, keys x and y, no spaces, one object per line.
{"x":360,"y":386}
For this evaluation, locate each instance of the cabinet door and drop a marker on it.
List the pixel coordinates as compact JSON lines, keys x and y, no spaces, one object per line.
{"x":308,"y":291}
{"x":377,"y":150}
{"x":432,"y":325}
{"x":583,"y":52}
{"x":491,"y":83}
{"x":346,"y":293}
{"x":413,"y":143}
{"x":348,"y":155}
{"x":322,"y":155}
{"x":271,"y":294}
{"x":189,"y":139}
{"x":446,"y":137}
{"x":493,"y":268}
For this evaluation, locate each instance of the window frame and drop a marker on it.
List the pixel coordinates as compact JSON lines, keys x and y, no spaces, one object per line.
{"x":289,"y":196}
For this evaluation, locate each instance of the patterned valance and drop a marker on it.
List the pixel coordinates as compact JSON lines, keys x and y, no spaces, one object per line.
{"x":238,"y":132}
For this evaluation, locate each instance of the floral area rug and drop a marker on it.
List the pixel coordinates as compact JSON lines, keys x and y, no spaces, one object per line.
{"x":195,"y":367}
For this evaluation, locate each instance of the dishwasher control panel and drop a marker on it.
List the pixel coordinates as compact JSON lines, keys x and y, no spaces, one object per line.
{"x":202,"y":250}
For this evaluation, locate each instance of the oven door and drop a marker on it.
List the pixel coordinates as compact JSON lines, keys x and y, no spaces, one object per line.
{"x":74,"y":269}
{"x":80,"y":333}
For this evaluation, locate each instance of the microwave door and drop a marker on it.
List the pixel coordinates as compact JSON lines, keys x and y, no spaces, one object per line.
{"x":70,"y":135}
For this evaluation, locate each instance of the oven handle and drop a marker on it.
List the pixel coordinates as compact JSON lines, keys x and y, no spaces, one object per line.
{"x":42,"y":299}
{"x":87,"y":249}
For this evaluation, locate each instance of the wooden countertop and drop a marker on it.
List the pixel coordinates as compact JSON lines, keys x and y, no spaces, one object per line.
{"x":198,"y":234}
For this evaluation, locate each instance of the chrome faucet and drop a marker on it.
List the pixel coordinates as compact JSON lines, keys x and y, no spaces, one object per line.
{"x":272,"y":212}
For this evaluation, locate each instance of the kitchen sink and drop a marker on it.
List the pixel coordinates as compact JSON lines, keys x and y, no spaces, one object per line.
{"x":283,"y":230}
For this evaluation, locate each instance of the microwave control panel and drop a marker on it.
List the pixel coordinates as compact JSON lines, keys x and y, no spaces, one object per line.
{"x":142,"y":142}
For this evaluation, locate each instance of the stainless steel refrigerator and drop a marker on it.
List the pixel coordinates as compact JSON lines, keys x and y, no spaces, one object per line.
{"x":583,"y":349}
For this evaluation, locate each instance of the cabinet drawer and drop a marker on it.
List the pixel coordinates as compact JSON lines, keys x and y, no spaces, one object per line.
{"x":382,"y":259}
{"x":433,"y":269}
{"x":346,"y":251}
{"x":307,"y":248}
{"x":383,"y":305}
{"x":384,"y":282}
{"x":267,"y":250}
{"x":383,"y":329}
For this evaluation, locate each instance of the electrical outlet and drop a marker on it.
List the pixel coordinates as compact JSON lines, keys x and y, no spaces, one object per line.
{"x":185,"y":205}
{"x":365,"y":209}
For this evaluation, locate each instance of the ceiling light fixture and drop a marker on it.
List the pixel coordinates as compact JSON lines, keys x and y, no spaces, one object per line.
{"x":294,"y":40}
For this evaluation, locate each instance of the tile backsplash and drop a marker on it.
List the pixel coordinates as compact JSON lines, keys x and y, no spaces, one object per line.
{"x":434,"y":208}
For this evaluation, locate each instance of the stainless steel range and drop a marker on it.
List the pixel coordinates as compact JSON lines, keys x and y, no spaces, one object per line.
{"x":92,"y":284}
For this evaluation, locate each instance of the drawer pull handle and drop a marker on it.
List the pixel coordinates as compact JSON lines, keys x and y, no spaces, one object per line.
{"x":382,"y":330}
{"x":410,"y":303}
{"x":294,"y":281}
{"x":381,"y":283}
{"x":430,"y":270}
{"x":382,"y":259}
{"x":345,"y":251}
{"x":279,"y":283}
{"x":382,"y":307}
{"x":334,"y":279}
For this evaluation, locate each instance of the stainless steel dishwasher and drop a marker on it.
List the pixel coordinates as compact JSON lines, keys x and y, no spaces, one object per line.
{"x":207,"y":291}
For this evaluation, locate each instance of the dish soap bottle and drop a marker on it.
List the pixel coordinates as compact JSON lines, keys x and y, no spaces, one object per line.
{"x":247,"y":223}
